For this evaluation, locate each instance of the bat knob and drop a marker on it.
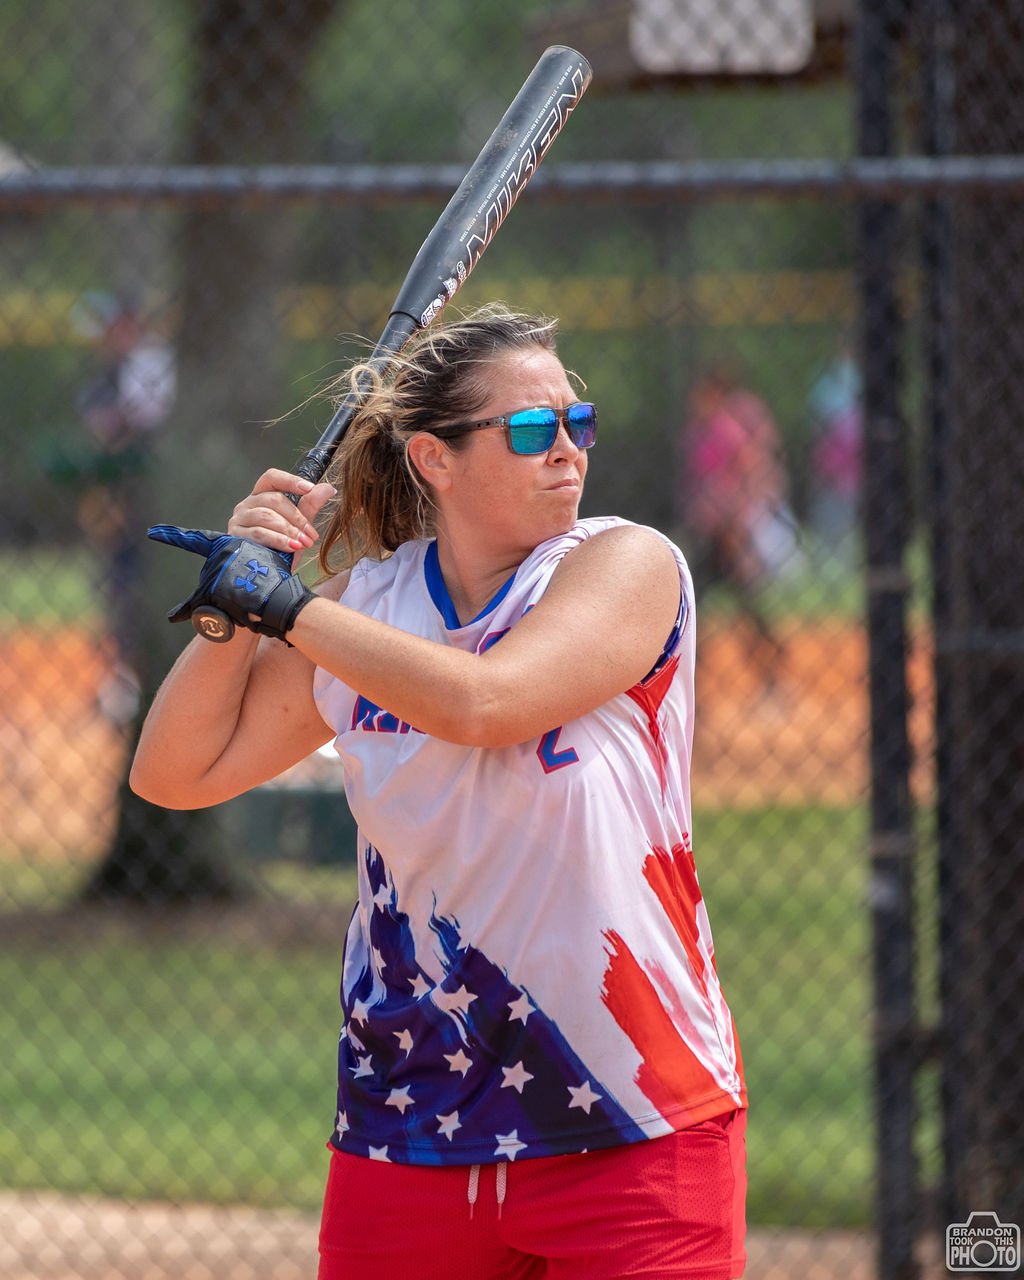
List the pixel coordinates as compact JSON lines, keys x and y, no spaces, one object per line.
{"x":212,"y":624}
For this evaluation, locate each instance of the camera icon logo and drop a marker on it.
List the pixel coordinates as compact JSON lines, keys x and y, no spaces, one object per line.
{"x":982,"y":1243}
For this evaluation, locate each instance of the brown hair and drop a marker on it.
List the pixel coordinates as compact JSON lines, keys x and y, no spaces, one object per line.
{"x":438,"y":379}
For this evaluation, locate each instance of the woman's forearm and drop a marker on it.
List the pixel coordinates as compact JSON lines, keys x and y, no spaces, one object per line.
{"x":433,"y":687}
{"x":192,"y":720}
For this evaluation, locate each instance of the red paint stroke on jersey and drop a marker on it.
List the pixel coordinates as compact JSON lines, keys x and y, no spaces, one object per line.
{"x":670,"y":1073}
{"x":671,"y":999}
{"x":649,"y":695}
{"x":657,"y":1021}
{"x":673,"y":877}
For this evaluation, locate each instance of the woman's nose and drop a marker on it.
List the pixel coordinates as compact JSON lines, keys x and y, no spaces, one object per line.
{"x":563,"y":445}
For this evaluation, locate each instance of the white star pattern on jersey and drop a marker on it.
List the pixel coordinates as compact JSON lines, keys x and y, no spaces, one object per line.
{"x":515,"y":1077}
{"x":458,"y":1062}
{"x":452,"y":1001}
{"x":341,"y":1128}
{"x":399,"y":1098}
{"x":420,"y":986}
{"x":362,"y":1068}
{"x":583,"y":1096}
{"x":448,"y":1124}
{"x":360,"y":1009}
{"x":520,"y":1009}
{"x":379,"y":1153}
{"x":404,"y":1039}
{"x":509,"y":1144}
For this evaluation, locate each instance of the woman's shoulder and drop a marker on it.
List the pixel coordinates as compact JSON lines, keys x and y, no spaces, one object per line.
{"x":590,"y":526}
{"x":584,"y":530}
{"x":610,"y":544}
{"x":623,"y":532}
{"x":620,"y":547}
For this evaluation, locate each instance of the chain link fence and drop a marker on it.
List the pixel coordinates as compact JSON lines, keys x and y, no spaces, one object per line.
{"x":782,"y":240}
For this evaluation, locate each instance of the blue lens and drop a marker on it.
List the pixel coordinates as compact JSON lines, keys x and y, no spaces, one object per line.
{"x":534,"y":430}
{"x":582,"y":423}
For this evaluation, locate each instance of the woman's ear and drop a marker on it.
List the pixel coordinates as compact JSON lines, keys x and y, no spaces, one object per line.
{"x":432,"y":459}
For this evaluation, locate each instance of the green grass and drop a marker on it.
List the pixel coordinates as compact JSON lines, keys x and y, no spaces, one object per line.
{"x":195,"y":1059}
{"x":816,"y":590}
{"x":785,"y":890}
{"x":50,"y":587}
{"x":821,"y":587}
{"x":31,"y":885}
{"x":193,"y":1069}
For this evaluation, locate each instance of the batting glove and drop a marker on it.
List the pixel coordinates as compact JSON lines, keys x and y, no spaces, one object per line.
{"x":240,"y":579}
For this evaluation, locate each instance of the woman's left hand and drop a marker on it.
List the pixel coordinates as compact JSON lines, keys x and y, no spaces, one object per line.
{"x":269,"y":516}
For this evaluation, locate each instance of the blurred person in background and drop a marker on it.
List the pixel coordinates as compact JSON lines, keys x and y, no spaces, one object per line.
{"x":122,"y":404}
{"x":732,"y":496}
{"x":834,"y":408}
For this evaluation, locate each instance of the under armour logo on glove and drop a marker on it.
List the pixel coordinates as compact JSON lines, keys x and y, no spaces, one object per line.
{"x":241,"y":582}
{"x":255,"y":570}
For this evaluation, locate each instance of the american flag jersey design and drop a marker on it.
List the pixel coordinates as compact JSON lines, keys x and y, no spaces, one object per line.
{"x":529,"y":969}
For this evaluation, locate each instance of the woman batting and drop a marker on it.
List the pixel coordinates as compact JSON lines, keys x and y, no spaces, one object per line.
{"x":538,"y":1074}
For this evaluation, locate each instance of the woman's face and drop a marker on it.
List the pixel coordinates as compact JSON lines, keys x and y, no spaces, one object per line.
{"x":507,"y":498}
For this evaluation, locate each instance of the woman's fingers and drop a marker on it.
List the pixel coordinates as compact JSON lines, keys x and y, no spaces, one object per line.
{"x":275,"y":480}
{"x":316,"y":499}
{"x":269,"y":516}
{"x":284,"y":528}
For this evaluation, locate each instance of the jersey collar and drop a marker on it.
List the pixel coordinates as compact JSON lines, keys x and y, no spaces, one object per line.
{"x":443,"y":601}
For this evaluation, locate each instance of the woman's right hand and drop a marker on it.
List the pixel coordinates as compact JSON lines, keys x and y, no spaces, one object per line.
{"x":269,"y":516}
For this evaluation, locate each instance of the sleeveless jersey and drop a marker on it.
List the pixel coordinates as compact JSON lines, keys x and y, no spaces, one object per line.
{"x":529,"y":969}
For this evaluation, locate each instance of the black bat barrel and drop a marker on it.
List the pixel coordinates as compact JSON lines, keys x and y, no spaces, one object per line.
{"x":470,"y":220}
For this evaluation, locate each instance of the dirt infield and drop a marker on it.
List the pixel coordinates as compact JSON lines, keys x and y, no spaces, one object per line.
{"x":805,"y":739}
{"x":61,"y":757}
{"x":802,"y":741}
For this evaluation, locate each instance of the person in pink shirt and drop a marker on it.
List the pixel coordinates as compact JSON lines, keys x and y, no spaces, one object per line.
{"x":732,"y":496}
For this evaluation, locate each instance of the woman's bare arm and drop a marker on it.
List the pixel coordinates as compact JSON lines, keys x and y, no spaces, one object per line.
{"x":230,"y":716}
{"x":600,"y":627}
{"x":227,"y":717}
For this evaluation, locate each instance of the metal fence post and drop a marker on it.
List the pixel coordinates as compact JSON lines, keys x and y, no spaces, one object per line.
{"x":985,"y":646}
{"x":885,"y":501}
{"x":938,"y":138}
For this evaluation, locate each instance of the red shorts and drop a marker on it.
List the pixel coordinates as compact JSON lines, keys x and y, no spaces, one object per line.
{"x":672,"y":1206}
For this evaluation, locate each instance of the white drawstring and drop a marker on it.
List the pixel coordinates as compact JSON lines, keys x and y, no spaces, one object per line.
{"x":500,"y":1185}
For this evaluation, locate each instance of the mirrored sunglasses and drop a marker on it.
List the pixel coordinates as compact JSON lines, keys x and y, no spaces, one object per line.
{"x":534,"y":430}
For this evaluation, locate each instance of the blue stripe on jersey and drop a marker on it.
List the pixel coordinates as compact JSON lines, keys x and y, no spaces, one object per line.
{"x":671,"y":642}
{"x":443,"y":601}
